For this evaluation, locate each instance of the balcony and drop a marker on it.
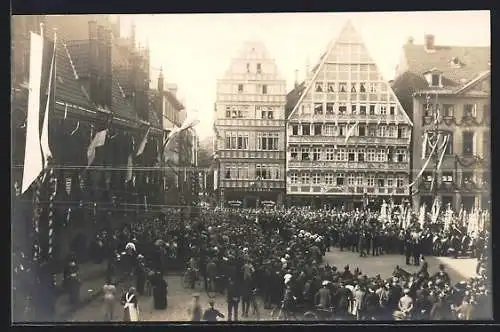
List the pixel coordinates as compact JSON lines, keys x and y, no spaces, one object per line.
{"x":253,"y":185}
{"x":297,"y":188}
{"x":251,"y":123}
{"x":350,"y":118}
{"x":251,"y":154}
{"x":334,"y":165}
{"x":353,"y":140}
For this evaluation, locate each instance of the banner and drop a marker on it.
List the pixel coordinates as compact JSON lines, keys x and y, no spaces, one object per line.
{"x":99,"y":140}
{"x":49,"y":102}
{"x":144,"y":141}
{"x":33,"y":162}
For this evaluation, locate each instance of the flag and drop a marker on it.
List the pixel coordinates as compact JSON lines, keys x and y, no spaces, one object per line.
{"x":350,"y":131}
{"x":190,"y":122}
{"x":216,"y":176}
{"x":421,"y":216}
{"x":99,"y":140}
{"x":140,"y":150}
{"x":33,"y":162}
{"x":443,"y":147}
{"x":49,"y":100}
{"x":130,"y":164}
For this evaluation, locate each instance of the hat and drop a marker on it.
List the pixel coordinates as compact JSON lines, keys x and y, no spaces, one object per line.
{"x":406,"y":291}
{"x":325,"y":283}
{"x":211,"y":302}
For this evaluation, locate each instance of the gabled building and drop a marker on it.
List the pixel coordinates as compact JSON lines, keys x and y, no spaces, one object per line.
{"x":448,"y":90}
{"x":348,"y":136}
{"x":250,"y":126}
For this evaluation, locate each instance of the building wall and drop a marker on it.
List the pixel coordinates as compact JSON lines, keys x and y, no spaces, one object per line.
{"x":348,"y":136}
{"x":250,"y":121}
{"x":456,"y":163}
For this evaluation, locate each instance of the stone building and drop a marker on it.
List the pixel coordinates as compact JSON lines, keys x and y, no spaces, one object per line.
{"x":448,"y":90}
{"x":250,"y":125}
{"x":348,"y":136}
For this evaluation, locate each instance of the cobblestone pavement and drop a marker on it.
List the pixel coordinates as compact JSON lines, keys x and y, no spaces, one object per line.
{"x":180,"y":299}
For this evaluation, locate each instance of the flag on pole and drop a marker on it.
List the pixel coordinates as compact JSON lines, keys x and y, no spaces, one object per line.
{"x":33,"y":161}
{"x":49,"y":81}
{"x":99,"y":140}
{"x":190,"y":122}
{"x":351,"y":131}
{"x":421,"y":216}
{"x":140,"y":150}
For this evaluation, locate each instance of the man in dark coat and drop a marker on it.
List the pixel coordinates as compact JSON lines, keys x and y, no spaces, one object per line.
{"x":160,"y":291}
{"x":343,"y":298}
{"x":211,"y":314}
{"x":233,"y":299}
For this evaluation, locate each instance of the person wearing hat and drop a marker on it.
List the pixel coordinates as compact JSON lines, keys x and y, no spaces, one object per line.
{"x":160,"y":291}
{"x":233,"y":300}
{"x":130,"y":306}
{"x":405,"y":304}
{"x":323,"y":297}
{"x":211,"y":314}
{"x":195,"y":311}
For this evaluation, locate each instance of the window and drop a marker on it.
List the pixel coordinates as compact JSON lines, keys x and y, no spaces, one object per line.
{"x":228,"y":111}
{"x":381,"y":155}
{"x":330,"y":154}
{"x":401,"y":132}
{"x":353,"y":87}
{"x":447,"y":177}
{"x":240,"y":87}
{"x":329,"y":108}
{"x":319,"y":87}
{"x":361,"y":155}
{"x":435,"y":80}
{"x":469,"y":111}
{"x":329,"y":130}
{"x":468,"y":143}
{"x":294,"y":177}
{"x":342,"y":87}
{"x":294,"y":154}
{"x":231,"y":140}
{"x":392,"y":109}
{"x":266,"y":112}
{"x":372,"y":109}
{"x":362,"y":130}
{"x":449,"y":110}
{"x":305,"y":153}
{"x":306,"y":130}
{"x":342,"y":109}
{"x":248,"y":68}
{"x":381,"y":183}
{"x":305,"y":178}
{"x":370,"y":155}
{"x":331,"y":87}
{"x":383,"y":109}
{"x":391,"y":130}
{"x":373,"y":88}
{"x":341,"y":154}
{"x":362,"y":88}
{"x":400,"y":181}
{"x":227,"y":172}
{"x":353,"y":109}
{"x":316,"y":178}
{"x":341,"y":130}
{"x":295,"y":130}
{"x":401,"y":155}
{"x":243,"y":172}
{"x":449,"y":145}
{"x":329,"y":178}
{"x":372,"y":130}
{"x":351,"y":180}
{"x":370,"y":180}
{"x":316,"y":154}
{"x":268,"y":141}
{"x":242,"y":143}
{"x":318,"y":108}
{"x":362,"y":110}
{"x":381,"y":131}
{"x":360,"y":180}
{"x":390,"y":182}
{"x":351,"y":155}
{"x":259,"y":69}
{"x":340,"y":179}
{"x":467,"y":177}
{"x":264,"y":89}
{"x":318,"y":129}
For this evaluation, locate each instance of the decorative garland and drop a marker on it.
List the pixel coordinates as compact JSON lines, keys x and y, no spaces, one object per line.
{"x":466,"y":121}
{"x":51,"y":212}
{"x":36,"y":220}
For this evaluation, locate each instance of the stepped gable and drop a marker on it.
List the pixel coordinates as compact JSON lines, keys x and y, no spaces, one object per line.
{"x":345,"y":57}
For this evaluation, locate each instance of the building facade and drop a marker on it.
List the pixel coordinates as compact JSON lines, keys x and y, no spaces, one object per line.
{"x":348,"y":136}
{"x":448,"y":88}
{"x":250,"y":126}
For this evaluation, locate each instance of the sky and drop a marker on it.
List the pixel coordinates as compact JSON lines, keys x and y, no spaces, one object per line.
{"x":194,"y":50}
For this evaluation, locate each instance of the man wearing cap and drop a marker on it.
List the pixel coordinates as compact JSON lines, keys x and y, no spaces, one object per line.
{"x":211,"y":314}
{"x":323,"y":298}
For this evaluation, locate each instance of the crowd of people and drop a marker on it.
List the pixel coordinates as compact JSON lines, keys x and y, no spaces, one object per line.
{"x":278,"y":255}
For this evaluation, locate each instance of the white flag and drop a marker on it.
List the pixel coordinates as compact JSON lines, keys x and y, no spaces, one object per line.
{"x":33,"y":162}
{"x":45,"y":127}
{"x":99,"y":140}
{"x":140,"y":150}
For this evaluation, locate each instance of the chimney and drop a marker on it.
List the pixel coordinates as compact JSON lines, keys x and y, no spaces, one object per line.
{"x":429,"y":42}
{"x":161,"y":81}
{"x":101,"y":61}
{"x":93,"y":61}
{"x":296,"y":83}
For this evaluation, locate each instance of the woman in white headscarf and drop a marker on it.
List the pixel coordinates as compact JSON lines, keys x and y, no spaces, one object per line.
{"x":130,"y":306}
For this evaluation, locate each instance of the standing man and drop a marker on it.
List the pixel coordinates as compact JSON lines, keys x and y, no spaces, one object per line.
{"x":233,"y":299}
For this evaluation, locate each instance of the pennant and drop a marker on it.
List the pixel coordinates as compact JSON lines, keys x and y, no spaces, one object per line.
{"x":140,"y":150}
{"x":190,"y":122}
{"x":443,"y":147}
{"x":33,"y":161}
{"x":99,"y":140}
{"x":216,"y":176}
{"x":423,"y":167}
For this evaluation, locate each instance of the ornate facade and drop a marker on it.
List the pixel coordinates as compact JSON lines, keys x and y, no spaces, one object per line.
{"x":250,"y":125}
{"x":348,"y":136}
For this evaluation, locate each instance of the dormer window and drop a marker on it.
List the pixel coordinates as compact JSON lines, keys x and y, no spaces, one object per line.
{"x":434,"y":78}
{"x":455,"y":62}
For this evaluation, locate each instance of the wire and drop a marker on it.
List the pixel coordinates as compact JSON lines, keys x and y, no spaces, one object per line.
{"x":123,"y":168}
{"x":135,"y":207}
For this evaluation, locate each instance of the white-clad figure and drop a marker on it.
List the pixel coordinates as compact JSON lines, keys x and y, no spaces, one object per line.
{"x":130,"y":306}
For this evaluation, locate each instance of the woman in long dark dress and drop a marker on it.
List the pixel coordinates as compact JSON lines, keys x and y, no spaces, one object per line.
{"x":160,"y":292}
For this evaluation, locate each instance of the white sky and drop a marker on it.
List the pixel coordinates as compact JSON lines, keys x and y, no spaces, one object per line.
{"x":196,"y":49}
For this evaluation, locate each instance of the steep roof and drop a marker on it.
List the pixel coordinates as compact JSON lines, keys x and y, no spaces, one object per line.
{"x":293,"y":97}
{"x":473,"y":60}
{"x":174,"y":101}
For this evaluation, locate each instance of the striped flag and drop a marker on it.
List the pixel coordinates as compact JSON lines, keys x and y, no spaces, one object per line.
{"x":33,"y":161}
{"x":99,"y":140}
